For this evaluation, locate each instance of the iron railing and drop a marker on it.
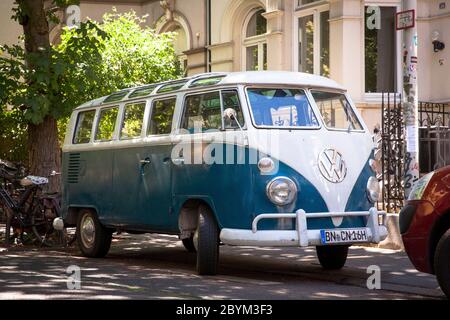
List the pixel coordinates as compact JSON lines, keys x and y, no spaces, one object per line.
{"x":434,"y":136}
{"x":392,"y":153}
{"x":434,"y":145}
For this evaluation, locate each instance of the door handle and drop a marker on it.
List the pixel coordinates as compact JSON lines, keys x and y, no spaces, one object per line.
{"x":178,"y":161}
{"x":145,"y":161}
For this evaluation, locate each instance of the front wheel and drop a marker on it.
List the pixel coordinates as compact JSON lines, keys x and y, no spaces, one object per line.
{"x":332,"y":257}
{"x":206,"y":238}
{"x":94,"y":240}
{"x":442,"y":263}
{"x":188,"y":243}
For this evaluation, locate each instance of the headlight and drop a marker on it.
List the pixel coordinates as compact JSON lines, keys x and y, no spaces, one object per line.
{"x":373,"y":189}
{"x":281,"y":191}
{"x":419,"y":187}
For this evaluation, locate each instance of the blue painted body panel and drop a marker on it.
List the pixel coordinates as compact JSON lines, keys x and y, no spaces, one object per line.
{"x":93,"y":189}
{"x":142,"y":192}
{"x":149,"y":197}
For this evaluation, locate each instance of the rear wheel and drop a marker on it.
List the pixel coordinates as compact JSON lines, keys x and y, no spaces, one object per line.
{"x":42,"y":226}
{"x":94,"y":240}
{"x":206,"y":239}
{"x":442,"y":263}
{"x":332,"y":257}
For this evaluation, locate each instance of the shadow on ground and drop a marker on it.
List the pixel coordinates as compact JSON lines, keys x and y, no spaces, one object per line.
{"x":158,"y":267}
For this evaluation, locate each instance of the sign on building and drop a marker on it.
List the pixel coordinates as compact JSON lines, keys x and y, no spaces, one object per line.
{"x":405,"y":19}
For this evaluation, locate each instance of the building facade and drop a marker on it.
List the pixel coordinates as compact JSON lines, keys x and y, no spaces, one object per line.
{"x":351,"y":41}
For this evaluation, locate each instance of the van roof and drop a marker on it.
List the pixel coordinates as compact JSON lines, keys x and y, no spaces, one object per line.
{"x":214,"y":79}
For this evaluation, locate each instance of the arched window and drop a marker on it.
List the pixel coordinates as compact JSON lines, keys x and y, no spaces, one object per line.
{"x":257,"y":24}
{"x":255,"y":44}
{"x":180,"y":43}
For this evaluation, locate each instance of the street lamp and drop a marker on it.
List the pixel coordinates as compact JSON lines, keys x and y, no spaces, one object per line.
{"x":437,"y":45}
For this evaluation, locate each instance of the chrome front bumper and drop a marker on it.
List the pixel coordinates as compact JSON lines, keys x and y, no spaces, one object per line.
{"x":375,"y":229}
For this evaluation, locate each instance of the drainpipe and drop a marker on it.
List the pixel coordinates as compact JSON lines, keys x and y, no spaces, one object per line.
{"x":410,"y":100}
{"x":208,"y":35}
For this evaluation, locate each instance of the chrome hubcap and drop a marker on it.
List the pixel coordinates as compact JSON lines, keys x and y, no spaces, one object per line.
{"x":87,"y":231}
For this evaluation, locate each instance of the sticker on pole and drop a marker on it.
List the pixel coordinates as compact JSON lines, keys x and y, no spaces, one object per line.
{"x":405,"y":19}
{"x":411,"y":139}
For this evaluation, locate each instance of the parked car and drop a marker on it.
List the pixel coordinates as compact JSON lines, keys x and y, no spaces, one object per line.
{"x":425,"y":226}
{"x":251,"y":158}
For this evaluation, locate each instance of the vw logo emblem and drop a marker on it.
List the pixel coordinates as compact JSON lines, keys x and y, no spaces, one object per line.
{"x":332,"y":165}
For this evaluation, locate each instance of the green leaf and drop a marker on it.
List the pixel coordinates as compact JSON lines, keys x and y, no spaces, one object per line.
{"x":90,"y":61}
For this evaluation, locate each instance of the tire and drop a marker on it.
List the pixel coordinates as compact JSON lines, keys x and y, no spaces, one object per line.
{"x":43,"y":230}
{"x":206,"y":239}
{"x":94,"y":240}
{"x":188,"y":243}
{"x":332,"y":257}
{"x":442,"y":263}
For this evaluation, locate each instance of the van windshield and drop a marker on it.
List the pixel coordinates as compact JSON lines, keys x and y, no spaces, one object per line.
{"x":281,"y":108}
{"x":336,"y":111}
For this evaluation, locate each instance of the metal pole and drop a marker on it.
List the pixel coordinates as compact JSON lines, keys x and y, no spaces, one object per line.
{"x":410,"y":100}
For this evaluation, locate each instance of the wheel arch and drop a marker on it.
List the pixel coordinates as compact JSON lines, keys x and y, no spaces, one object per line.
{"x":188,"y":214}
{"x":441,"y":225}
{"x":73,"y":212}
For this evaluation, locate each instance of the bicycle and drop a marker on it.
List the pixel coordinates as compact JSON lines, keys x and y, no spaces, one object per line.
{"x":51,"y":207}
{"x":28,"y":210}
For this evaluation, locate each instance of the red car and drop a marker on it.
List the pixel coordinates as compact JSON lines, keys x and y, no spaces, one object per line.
{"x":425,"y":226}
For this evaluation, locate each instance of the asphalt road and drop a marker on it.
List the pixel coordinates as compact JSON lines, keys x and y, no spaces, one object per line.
{"x":158,"y":267}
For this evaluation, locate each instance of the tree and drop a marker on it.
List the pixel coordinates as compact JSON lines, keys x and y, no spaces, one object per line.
{"x":44,"y":82}
{"x":13,"y":136}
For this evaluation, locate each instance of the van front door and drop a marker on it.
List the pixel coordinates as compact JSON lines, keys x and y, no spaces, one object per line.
{"x":208,"y":162}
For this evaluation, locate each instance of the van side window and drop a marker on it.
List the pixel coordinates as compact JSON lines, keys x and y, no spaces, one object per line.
{"x":161,"y":116}
{"x":106,"y":124}
{"x":83,"y":129}
{"x":230,"y":99}
{"x":132,"y":120}
{"x":202,"y":112}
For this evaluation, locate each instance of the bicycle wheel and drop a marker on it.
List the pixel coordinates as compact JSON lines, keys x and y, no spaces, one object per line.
{"x":42,"y":226}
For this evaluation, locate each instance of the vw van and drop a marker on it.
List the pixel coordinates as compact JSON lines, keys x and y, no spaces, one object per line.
{"x":240,"y":159}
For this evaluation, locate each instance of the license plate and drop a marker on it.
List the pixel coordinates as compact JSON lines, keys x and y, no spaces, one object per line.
{"x":343,"y":236}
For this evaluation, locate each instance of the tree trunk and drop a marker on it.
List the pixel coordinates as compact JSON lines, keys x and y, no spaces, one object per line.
{"x":44,"y":155}
{"x":35,"y":25}
{"x":43,"y":149}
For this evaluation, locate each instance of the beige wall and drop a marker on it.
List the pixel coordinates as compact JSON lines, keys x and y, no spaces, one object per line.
{"x":346,"y":49}
{"x":228,"y":17}
{"x":434,"y":67}
{"x":10,"y":30}
{"x":95,"y":10}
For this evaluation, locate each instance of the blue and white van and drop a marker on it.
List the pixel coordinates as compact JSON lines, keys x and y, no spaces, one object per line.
{"x":248,"y":158}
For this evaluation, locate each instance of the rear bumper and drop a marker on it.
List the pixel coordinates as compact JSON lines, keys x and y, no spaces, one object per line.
{"x":302,"y":237}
